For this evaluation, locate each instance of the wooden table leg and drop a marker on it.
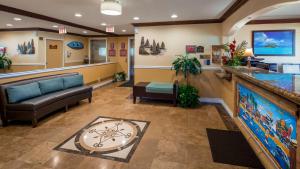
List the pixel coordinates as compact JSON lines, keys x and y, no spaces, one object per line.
{"x":134,"y":99}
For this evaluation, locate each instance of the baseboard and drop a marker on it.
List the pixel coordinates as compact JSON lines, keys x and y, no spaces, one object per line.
{"x":218,"y":101}
{"x":98,"y":85}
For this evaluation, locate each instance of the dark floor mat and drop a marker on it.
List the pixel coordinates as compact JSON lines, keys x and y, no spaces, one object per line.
{"x":127,"y":84}
{"x":230,"y":147}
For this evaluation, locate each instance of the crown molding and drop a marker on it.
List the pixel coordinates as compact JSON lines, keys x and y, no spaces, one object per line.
{"x":274,"y":21}
{"x":235,"y":6}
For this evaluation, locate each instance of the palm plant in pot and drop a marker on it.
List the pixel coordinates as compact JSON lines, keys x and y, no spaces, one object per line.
{"x":187,"y":95}
{"x":5,"y":62}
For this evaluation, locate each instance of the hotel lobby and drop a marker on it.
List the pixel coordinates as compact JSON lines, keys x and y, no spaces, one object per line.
{"x":148,"y":84}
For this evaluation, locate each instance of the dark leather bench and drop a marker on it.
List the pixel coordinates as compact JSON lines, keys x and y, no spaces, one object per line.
{"x":139,"y":90}
{"x":37,"y":107}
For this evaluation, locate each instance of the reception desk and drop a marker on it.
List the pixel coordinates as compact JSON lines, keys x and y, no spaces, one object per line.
{"x":267,"y":112}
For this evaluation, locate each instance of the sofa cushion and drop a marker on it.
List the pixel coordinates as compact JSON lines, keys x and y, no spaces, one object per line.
{"x":51,"y":85}
{"x":154,"y":87}
{"x":22,"y":92}
{"x":38,"y":102}
{"x":73,"y":81}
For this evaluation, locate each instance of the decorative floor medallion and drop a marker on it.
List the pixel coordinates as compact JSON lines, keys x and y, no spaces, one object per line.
{"x":105,"y":137}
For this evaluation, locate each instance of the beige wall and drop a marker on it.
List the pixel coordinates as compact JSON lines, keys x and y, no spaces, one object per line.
{"x":122,"y":61}
{"x":208,"y":84}
{"x":176,"y":38}
{"x":76,"y":56}
{"x":246,"y":34}
{"x":11,"y":41}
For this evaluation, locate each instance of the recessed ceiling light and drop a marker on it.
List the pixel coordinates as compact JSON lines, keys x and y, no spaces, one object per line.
{"x":17,"y":19}
{"x":85,"y":32}
{"x":55,"y":26}
{"x":174,"y":16}
{"x":9,"y":25}
{"x":136,"y":18}
{"x":78,"y":15}
{"x":123,"y":30}
{"x":103,"y":24}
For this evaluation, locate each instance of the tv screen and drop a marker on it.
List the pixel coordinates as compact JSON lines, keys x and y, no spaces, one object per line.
{"x":273,"y":43}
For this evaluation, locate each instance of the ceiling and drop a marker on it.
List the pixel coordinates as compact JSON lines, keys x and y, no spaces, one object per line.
{"x":284,"y":12}
{"x":146,"y":10}
{"x":28,"y":22}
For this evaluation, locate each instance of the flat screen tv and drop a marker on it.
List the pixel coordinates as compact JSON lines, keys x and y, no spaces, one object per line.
{"x":273,"y":43}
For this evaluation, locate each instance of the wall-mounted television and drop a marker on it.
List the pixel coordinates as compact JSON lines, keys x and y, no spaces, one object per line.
{"x":273,"y":43}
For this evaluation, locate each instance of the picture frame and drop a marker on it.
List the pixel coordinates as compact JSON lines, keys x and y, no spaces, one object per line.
{"x":190,"y":48}
{"x":273,"y":42}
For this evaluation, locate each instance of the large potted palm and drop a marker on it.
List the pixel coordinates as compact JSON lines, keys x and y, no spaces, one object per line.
{"x":5,"y":61}
{"x":187,"y":95}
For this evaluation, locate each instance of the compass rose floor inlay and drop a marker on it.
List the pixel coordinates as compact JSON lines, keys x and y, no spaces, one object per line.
{"x":108,"y":138}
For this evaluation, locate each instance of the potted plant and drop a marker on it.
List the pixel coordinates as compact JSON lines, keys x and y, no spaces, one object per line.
{"x":235,"y":52}
{"x":5,"y":61}
{"x":187,"y":94}
{"x":120,"y":76}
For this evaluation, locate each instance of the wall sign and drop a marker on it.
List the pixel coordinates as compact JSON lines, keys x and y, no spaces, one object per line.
{"x":52,"y":46}
{"x":75,"y":45}
{"x":112,"y":51}
{"x":123,"y":50}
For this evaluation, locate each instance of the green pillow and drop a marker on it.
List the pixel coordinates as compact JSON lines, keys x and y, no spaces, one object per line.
{"x":51,"y":85}
{"x":73,"y":81}
{"x":23,"y":92}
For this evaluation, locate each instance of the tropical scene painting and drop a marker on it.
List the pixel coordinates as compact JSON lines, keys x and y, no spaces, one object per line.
{"x":274,"y":43}
{"x":273,"y":127}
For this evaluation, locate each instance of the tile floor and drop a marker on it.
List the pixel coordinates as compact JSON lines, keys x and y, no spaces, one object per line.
{"x":175,"y":139}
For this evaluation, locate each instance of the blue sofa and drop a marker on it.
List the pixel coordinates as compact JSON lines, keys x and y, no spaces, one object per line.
{"x":35,"y":98}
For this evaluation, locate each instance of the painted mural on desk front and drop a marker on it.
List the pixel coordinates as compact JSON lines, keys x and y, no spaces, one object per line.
{"x":273,"y":127}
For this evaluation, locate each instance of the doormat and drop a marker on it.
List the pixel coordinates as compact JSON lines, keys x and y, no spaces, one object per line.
{"x":230,"y":147}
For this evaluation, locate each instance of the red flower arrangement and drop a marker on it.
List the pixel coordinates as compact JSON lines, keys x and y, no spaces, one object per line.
{"x":235,"y":53}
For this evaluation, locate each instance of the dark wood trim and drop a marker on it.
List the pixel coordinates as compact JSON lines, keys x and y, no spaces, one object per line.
{"x":38,"y":29}
{"x":227,"y":14}
{"x":187,"y":22}
{"x":50,"y":19}
{"x":56,"y":31}
{"x":107,"y":36}
{"x":274,"y":21}
{"x":232,"y":9}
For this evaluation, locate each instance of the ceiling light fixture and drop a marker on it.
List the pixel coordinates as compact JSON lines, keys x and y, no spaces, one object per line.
{"x":111,"y":7}
{"x":174,"y":16}
{"x":9,"y":25}
{"x":17,"y":19}
{"x":78,"y":15}
{"x":55,"y":26}
{"x":85,"y":32}
{"x":136,"y":18}
{"x":103,"y":24}
{"x":123,"y":30}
